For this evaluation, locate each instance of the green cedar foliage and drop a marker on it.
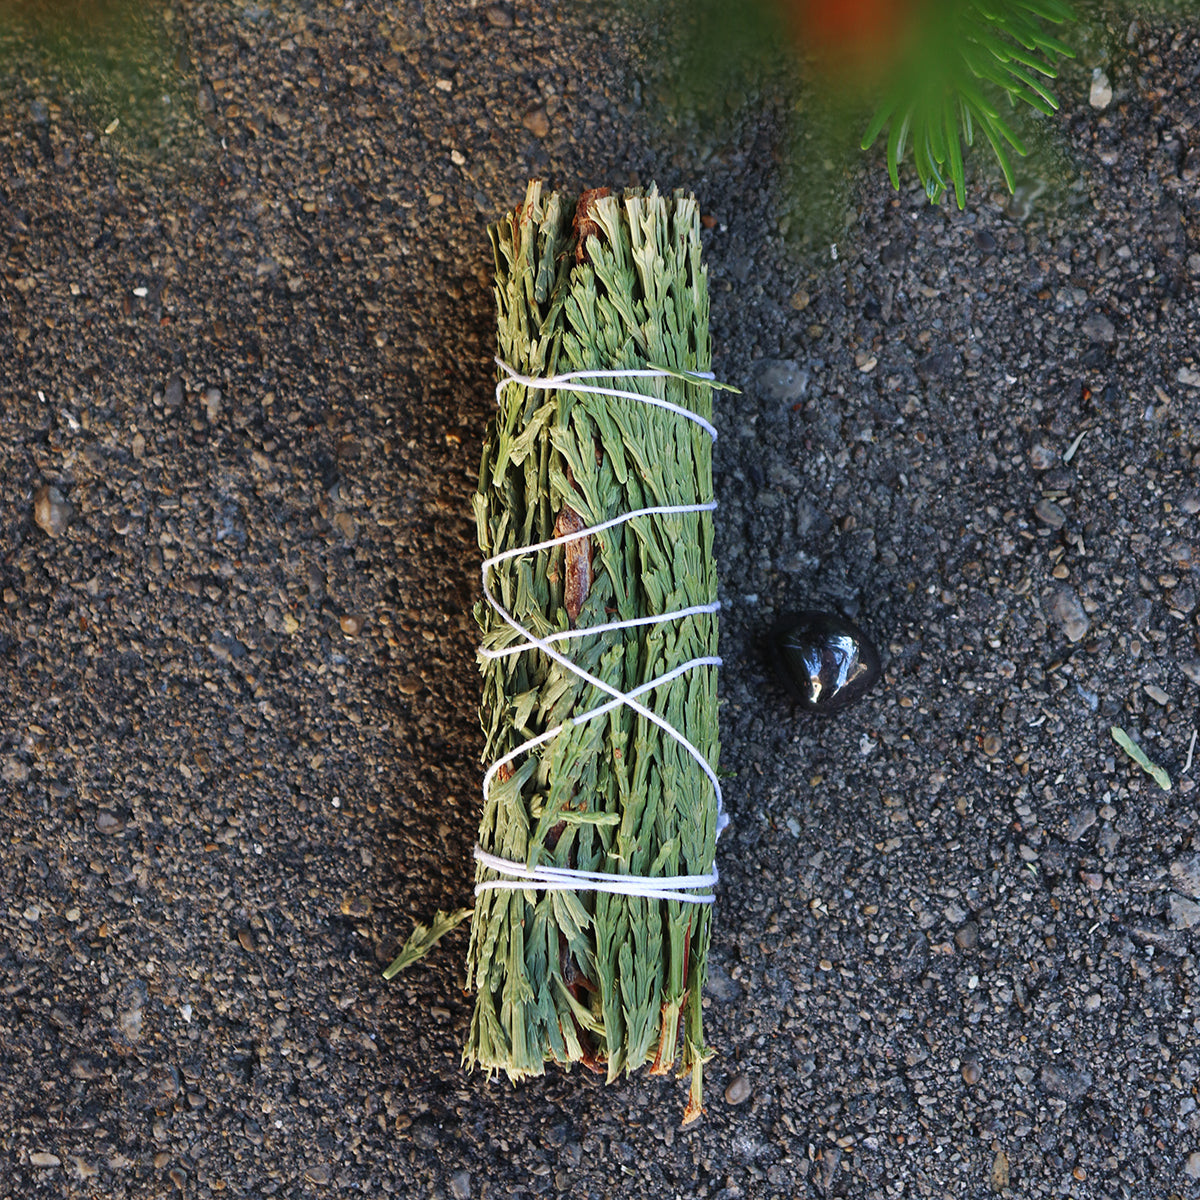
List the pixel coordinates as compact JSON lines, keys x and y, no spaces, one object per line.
{"x":612,"y":981}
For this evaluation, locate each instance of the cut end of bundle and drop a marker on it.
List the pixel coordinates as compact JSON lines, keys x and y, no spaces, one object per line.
{"x":695,"y":1106}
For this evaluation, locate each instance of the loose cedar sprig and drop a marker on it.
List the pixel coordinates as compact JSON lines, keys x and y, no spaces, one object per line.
{"x":613,"y":982}
{"x":424,"y":938}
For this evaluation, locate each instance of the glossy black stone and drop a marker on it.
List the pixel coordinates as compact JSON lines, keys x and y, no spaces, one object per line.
{"x":825,"y":661}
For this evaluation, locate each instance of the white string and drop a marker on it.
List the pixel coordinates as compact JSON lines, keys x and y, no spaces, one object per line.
{"x":569,"y":634}
{"x":546,"y":878}
{"x":546,"y":382}
{"x":560,"y":879}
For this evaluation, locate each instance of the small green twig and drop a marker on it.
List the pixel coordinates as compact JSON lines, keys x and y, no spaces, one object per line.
{"x":695,"y":377}
{"x":424,"y":938}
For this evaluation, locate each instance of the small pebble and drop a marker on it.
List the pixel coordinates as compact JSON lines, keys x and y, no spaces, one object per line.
{"x":320,"y":1174}
{"x":345,"y":524}
{"x":460,"y":1185}
{"x":212,"y":405}
{"x":131,"y":1004}
{"x":972,"y":1072}
{"x":720,"y":985}
{"x":999,"y":1176}
{"x":1192,"y":1167}
{"x":352,"y":624}
{"x":782,"y":380}
{"x":1183,"y":599}
{"x":1185,"y":872}
{"x":738,"y":1090}
{"x":498,"y":17}
{"x":246,"y":937}
{"x":1078,"y":823}
{"x":967,"y":938}
{"x":1100,"y":94}
{"x":537,"y":122}
{"x":1022,"y":204}
{"x":1156,"y":693}
{"x":42,"y":1158}
{"x":1066,"y":1084}
{"x":1042,"y":458}
{"x":356,"y":906}
{"x":991,"y":745}
{"x":1050,"y":514}
{"x":1183,"y":913}
{"x":1066,"y":609}
{"x":1098,"y":328}
{"x":173,"y":396}
{"x":14,"y":771}
{"x":51,"y":510}
{"x":109,"y":822}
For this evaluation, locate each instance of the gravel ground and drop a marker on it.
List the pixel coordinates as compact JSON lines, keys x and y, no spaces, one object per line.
{"x":245,"y":340}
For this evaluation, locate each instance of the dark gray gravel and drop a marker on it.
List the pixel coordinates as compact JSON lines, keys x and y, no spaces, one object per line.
{"x":244,"y":374}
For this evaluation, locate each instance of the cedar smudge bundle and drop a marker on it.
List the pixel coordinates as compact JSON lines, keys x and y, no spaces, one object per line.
{"x":602,"y":729}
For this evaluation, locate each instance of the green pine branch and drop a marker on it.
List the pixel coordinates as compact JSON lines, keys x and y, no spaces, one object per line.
{"x":971,"y":55}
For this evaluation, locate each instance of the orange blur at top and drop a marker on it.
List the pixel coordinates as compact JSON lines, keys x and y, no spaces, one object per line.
{"x":857,"y":41}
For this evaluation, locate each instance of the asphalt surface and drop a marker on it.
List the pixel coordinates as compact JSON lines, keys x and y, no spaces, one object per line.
{"x":245,"y":340}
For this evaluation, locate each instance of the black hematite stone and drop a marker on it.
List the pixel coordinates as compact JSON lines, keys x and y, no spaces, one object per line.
{"x":825,"y":661}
